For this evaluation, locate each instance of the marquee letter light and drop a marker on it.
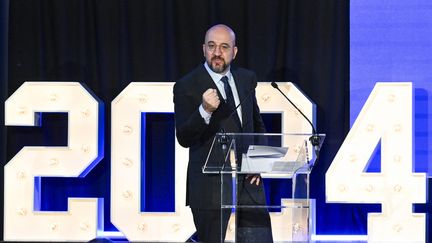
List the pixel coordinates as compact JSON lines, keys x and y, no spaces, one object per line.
{"x":126,"y":147}
{"x":271,"y":101}
{"x":22,"y":220}
{"x":386,"y":116}
{"x":292,"y":223}
{"x":126,"y":129}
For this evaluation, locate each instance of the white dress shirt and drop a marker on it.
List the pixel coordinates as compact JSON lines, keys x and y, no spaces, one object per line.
{"x":216,"y":77}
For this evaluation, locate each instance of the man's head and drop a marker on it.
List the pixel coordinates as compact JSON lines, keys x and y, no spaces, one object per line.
{"x":219,"y":48}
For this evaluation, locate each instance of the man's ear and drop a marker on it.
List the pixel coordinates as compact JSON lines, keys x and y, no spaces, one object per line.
{"x":235,"y":52}
{"x":204,"y":50}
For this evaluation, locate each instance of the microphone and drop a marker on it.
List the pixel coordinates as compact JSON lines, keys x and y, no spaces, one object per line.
{"x":314,"y":139}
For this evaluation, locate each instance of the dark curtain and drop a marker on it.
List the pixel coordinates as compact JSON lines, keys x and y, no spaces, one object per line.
{"x":4,"y":5}
{"x":108,"y":43}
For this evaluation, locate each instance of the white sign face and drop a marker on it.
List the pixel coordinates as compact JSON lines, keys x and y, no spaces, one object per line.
{"x":126,"y":168}
{"x":386,"y":116}
{"x":271,"y":101}
{"x":22,"y":220}
{"x":125,"y":164}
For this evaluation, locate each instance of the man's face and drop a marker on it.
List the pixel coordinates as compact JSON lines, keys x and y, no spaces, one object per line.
{"x":219,"y":49}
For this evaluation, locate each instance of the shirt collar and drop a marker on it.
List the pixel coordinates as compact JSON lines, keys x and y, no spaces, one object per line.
{"x":217,"y":76}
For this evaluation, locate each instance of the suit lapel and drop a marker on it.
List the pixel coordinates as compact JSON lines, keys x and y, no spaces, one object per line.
{"x":207,"y":82}
{"x":239,"y":79}
{"x":242,"y":91}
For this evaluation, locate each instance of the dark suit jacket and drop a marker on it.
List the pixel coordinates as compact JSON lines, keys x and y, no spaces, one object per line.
{"x":203,"y":190}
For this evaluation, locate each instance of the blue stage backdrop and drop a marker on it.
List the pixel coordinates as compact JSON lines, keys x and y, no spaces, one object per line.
{"x":391,"y":41}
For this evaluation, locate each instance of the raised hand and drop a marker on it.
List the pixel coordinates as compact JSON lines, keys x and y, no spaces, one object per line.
{"x":210,"y":100}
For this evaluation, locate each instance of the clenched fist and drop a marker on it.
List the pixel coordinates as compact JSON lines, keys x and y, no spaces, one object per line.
{"x":210,"y":100}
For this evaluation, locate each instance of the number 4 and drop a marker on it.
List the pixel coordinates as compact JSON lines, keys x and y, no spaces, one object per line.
{"x":386,"y":116}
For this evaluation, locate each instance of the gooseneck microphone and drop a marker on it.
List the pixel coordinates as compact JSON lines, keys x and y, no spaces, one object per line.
{"x":314,"y":139}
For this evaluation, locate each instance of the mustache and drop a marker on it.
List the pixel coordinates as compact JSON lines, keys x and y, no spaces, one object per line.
{"x":217,"y":58}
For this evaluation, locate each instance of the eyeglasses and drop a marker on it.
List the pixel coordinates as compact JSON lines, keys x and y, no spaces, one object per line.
{"x":211,"y":47}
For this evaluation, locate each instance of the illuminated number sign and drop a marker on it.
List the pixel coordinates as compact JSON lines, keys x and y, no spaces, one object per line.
{"x":23,"y":218}
{"x":386,"y":117}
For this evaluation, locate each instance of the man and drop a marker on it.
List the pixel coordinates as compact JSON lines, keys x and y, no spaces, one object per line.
{"x":205,"y":103}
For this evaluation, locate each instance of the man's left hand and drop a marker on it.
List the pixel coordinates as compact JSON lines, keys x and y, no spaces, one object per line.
{"x":255,"y":178}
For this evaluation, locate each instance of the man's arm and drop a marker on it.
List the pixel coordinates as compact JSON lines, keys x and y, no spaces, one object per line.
{"x":190,"y":123}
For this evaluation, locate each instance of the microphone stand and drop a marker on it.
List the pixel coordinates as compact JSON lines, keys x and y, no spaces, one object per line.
{"x":315,"y":138}
{"x":223,"y":141}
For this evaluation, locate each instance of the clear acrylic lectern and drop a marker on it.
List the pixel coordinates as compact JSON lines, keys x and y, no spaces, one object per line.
{"x":291,"y":156}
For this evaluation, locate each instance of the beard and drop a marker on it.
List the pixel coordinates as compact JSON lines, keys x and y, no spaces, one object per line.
{"x":218,"y":65}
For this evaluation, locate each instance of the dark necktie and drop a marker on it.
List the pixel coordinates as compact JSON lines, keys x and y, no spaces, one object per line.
{"x":230,"y":99}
